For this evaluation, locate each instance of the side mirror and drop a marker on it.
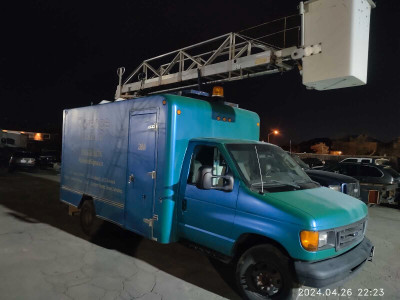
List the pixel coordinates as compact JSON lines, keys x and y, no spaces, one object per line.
{"x":205,"y":180}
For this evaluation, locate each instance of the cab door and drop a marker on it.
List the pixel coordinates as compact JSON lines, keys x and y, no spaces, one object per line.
{"x":206,"y":216}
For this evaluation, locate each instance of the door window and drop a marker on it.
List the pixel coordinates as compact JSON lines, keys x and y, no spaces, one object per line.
{"x":366,"y":160}
{"x":350,"y":160}
{"x":367,"y":171}
{"x":207,"y":156}
{"x":350,"y":170}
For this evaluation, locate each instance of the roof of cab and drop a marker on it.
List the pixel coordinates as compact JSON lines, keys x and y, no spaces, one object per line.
{"x":229,"y":141}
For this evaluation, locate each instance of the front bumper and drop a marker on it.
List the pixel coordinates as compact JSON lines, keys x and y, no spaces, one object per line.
{"x":23,"y":166}
{"x":331,"y":271}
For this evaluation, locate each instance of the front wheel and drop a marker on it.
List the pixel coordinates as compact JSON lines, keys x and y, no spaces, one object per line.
{"x":263,"y":272}
{"x":89,"y":222}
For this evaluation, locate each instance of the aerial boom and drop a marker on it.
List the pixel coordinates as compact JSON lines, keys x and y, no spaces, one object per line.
{"x":327,"y":41}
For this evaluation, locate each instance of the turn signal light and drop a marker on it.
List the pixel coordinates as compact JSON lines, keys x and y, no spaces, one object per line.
{"x":309,"y":240}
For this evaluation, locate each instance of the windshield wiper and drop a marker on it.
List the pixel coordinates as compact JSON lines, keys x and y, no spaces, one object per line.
{"x":276,"y":181}
{"x":286,"y":183}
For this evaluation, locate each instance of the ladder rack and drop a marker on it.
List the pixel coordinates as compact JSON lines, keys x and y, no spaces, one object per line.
{"x":233,"y":56}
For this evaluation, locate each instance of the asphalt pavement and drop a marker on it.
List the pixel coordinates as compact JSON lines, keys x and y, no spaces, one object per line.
{"x":45,"y":255}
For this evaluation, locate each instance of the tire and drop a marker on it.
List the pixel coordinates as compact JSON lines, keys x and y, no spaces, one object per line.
{"x":260,"y":266}
{"x":89,"y":222}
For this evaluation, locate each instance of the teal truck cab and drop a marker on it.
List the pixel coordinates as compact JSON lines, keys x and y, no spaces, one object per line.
{"x":174,"y":168}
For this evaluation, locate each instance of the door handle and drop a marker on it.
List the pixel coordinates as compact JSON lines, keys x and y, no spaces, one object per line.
{"x":131,"y":178}
{"x":184,"y":204}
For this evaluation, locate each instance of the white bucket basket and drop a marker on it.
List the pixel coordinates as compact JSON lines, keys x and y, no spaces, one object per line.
{"x":341,"y":28}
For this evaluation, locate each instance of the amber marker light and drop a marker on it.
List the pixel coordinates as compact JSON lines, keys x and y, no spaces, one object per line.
{"x":309,"y":240}
{"x":164,"y":102}
{"x":218,"y":91}
{"x":258,"y":124}
{"x":224,"y":119}
{"x":218,"y":118}
{"x":178,"y":112}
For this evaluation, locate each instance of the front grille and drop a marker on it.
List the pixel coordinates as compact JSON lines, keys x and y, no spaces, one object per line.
{"x":352,"y":189}
{"x":349,"y":235}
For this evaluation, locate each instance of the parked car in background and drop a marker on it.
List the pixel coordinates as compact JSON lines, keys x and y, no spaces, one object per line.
{"x":313,"y":162}
{"x":6,"y":153}
{"x":372,"y":177}
{"x":337,"y":182}
{"x":23,"y":160}
{"x":48,"y":158}
{"x":368,"y":160}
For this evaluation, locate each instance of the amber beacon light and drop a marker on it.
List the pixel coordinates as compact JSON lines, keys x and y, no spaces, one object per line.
{"x":218,"y":91}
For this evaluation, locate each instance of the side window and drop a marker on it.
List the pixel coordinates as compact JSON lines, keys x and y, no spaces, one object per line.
{"x":350,"y":170}
{"x":10,"y":141}
{"x":350,"y":160}
{"x":207,"y":156}
{"x":367,"y":171}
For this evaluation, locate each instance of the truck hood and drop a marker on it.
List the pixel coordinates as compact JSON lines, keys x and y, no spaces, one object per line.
{"x":329,"y":208}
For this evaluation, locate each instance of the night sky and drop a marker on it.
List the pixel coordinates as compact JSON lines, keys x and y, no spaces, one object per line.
{"x":63,"y":54}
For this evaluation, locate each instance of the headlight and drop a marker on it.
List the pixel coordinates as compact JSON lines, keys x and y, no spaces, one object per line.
{"x":323,"y":239}
{"x":317,"y":240}
{"x":337,"y":188}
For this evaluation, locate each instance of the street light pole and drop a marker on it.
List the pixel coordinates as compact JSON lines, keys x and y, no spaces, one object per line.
{"x":276,"y":132}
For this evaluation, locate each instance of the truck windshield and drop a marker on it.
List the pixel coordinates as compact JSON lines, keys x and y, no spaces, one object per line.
{"x":267,"y":168}
{"x":300,"y":162}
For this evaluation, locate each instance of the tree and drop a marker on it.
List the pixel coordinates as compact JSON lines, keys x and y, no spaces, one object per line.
{"x":320,"y":148}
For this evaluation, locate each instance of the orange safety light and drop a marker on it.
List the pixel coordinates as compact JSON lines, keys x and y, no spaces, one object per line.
{"x":309,"y":240}
{"x":178,"y":112}
{"x":218,"y":91}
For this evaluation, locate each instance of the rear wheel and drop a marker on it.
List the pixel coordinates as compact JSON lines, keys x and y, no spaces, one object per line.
{"x":263,"y":272}
{"x":89,"y":222}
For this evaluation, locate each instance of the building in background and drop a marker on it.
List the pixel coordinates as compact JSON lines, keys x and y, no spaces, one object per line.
{"x":25,"y":139}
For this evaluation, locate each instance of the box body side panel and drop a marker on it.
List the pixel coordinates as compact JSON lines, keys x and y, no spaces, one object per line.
{"x":94,"y":160}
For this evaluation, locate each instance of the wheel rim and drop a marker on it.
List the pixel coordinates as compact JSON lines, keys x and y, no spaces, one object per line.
{"x":264,"y":279}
